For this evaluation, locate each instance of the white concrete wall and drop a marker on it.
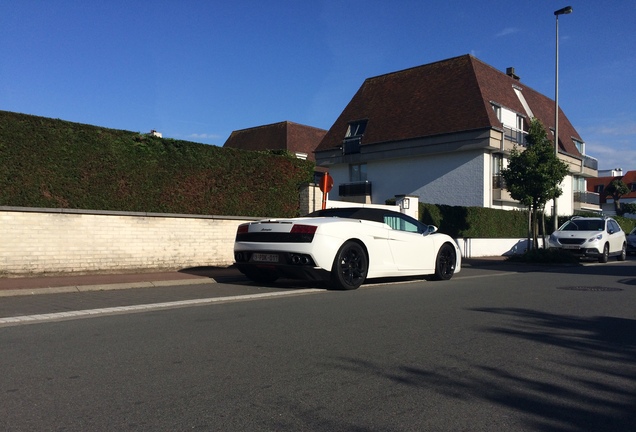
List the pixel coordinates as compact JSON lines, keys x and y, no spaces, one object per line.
{"x":483,"y":247}
{"x":565,"y":203}
{"x":51,"y":241}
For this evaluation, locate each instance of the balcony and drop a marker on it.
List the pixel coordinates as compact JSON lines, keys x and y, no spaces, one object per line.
{"x":355,"y":189}
{"x":584,"y":200}
{"x":515,"y":136}
{"x":590,"y":162}
{"x":589,"y":166}
{"x":511,"y":138}
{"x":587,"y":198}
{"x":351,"y":145}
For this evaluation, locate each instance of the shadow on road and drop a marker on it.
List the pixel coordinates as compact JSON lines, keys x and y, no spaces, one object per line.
{"x":591,"y":389}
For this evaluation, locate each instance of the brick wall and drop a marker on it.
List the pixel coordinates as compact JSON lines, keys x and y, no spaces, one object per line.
{"x":52,"y":241}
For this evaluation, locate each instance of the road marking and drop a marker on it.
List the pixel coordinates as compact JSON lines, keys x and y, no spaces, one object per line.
{"x":29,"y":319}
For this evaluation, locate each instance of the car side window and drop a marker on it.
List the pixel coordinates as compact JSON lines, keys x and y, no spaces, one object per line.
{"x":613,"y":226}
{"x":400,"y":223}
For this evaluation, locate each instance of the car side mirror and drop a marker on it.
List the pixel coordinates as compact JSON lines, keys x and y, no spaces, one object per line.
{"x":432,"y":229}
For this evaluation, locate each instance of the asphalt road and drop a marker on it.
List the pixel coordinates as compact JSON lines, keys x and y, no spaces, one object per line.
{"x":498,"y":348}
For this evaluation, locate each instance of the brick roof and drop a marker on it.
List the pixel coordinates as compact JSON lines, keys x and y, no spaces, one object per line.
{"x":278,"y":136}
{"x":448,"y":96}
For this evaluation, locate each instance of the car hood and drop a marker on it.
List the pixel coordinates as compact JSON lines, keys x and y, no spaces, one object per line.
{"x":577,"y":234}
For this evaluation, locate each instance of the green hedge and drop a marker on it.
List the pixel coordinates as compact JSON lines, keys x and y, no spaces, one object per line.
{"x":53,"y":163}
{"x":475,"y":222}
{"x":479,"y":222}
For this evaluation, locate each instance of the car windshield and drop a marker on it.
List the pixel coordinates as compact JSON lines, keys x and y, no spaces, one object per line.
{"x":584,"y":225}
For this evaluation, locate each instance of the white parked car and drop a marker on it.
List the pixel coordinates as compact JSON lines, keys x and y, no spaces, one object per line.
{"x":595,"y":237}
{"x":344,"y":246}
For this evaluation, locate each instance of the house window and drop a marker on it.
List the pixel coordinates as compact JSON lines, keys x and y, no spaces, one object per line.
{"x":356,"y":128}
{"x":599,"y":189}
{"x":497,"y":165}
{"x":497,"y":110}
{"x":580,"y":146}
{"x":579,"y":184}
{"x":358,"y":172}
{"x":633,"y":187}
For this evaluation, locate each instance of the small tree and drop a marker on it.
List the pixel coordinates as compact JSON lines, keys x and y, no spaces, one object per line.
{"x":628,"y":208}
{"x":616,"y":189}
{"x":533,"y":176}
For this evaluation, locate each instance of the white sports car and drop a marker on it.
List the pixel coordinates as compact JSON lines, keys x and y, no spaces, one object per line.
{"x":344,"y":246}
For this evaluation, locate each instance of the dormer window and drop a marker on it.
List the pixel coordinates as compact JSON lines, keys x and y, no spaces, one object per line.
{"x":580,"y":146}
{"x":353,"y":137}
{"x":497,"y":110}
{"x":356,"y":128}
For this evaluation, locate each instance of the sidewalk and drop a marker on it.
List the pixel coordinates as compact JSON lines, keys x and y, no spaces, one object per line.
{"x":101,"y":282}
{"x":97,"y":282}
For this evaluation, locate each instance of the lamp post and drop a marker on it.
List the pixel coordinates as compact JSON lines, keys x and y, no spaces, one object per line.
{"x":563,"y":11}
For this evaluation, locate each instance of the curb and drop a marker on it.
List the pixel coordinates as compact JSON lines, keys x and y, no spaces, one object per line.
{"x":103,"y":287}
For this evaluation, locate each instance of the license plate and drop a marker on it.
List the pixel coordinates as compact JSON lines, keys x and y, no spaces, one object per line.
{"x":571,"y":247}
{"x":261,"y":257}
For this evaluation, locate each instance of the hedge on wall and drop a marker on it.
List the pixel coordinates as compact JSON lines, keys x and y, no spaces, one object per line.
{"x":480,"y":222}
{"x":475,"y":222}
{"x":57,"y":164}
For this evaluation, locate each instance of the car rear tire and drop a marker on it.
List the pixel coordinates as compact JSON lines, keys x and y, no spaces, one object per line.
{"x":623,"y":255}
{"x":350,"y":267}
{"x":445,"y":262}
{"x":605,"y":255}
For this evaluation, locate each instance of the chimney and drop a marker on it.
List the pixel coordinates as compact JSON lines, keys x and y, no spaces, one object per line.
{"x":511,"y":73}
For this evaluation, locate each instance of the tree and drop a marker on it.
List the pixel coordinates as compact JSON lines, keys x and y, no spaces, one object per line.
{"x":533,"y":175}
{"x":628,"y":208}
{"x":616,"y":189}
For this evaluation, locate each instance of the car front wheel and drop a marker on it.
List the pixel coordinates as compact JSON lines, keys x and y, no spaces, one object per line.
{"x":445,"y":263}
{"x":350,"y":267}
{"x":605,"y":255}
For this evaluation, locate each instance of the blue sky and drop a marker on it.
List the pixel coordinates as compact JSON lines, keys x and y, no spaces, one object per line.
{"x":199,"y":69}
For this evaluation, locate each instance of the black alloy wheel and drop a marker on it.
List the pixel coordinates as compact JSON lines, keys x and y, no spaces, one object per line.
{"x":350,"y":267}
{"x":445,"y":262}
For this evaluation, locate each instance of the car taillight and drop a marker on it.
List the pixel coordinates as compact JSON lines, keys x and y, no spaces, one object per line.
{"x":242,"y":229}
{"x":304,"y":229}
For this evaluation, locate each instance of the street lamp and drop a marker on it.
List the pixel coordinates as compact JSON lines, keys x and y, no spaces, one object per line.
{"x":563,"y":11}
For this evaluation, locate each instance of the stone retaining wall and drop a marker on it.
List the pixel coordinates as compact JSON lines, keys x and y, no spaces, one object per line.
{"x":51,"y":241}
